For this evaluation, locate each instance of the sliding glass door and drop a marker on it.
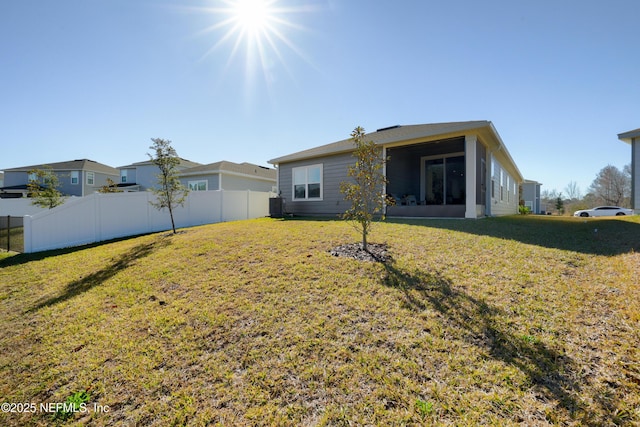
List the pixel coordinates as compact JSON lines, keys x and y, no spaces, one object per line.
{"x":443,"y":180}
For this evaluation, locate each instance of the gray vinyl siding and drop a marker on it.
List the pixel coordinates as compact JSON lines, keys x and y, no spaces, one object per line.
{"x":15,"y":178}
{"x":131,"y":176}
{"x":66,"y":187}
{"x":241,"y":183}
{"x":64,"y":178}
{"x":147,"y":176}
{"x":508,"y":204}
{"x":481,"y":176}
{"x":334,"y":171}
{"x":99,"y":181}
{"x":531,"y":195}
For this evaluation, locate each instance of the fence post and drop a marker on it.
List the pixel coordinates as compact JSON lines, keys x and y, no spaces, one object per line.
{"x":8,"y":233}
{"x":26,"y":235}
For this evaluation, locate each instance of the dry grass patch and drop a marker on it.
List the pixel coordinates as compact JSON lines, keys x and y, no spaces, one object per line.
{"x":503,"y":321}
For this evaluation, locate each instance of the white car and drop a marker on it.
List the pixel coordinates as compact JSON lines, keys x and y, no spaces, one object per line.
{"x":604,"y":211}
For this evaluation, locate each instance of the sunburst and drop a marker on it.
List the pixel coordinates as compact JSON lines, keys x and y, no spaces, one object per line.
{"x":259,"y":28}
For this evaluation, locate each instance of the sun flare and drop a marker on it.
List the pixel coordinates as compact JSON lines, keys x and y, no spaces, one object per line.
{"x":258,"y":28}
{"x":252,"y":15}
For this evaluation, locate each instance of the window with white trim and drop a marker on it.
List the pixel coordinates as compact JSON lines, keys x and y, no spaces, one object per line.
{"x":32,"y":176}
{"x":91,"y":178}
{"x":75,"y":177}
{"x":307,"y":182}
{"x":123,"y":175}
{"x":200,"y":185}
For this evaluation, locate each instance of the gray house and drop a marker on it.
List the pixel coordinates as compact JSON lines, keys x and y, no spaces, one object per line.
{"x":142,"y":176}
{"x":531,"y":195}
{"x":226,"y":175}
{"x":633,"y":138}
{"x":460,"y":169}
{"x":76,"y":177}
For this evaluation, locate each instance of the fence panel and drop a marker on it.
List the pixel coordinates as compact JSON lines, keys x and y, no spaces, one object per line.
{"x":99,"y":217}
{"x":12,"y":233}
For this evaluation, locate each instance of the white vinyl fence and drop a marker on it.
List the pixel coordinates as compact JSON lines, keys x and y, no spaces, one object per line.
{"x":99,"y":217}
{"x":20,"y":207}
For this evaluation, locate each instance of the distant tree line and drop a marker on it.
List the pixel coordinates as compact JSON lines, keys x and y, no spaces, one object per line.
{"x":611,"y":186}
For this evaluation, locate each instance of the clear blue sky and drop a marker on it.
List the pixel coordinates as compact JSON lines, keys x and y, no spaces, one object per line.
{"x":98,"y":78}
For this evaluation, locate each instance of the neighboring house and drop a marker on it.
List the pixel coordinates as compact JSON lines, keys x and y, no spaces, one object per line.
{"x":228,"y":176}
{"x":633,"y":138}
{"x":460,"y":169}
{"x":142,"y":176}
{"x":1,"y":179}
{"x":76,"y":177}
{"x":531,"y":195}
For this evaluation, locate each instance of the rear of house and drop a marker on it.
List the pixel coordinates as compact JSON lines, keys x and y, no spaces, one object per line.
{"x":143,"y":176}
{"x":460,"y":169}
{"x":225,"y":175}
{"x":76,"y":177}
{"x":531,"y":196}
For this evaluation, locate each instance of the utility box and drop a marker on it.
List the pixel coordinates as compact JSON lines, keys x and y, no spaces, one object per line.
{"x":275,"y":207}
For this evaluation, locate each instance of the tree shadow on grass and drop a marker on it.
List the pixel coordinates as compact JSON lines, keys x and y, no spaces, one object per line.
{"x":551,"y":373}
{"x":116,"y":266}
{"x":24,"y":258}
{"x":597,"y":236}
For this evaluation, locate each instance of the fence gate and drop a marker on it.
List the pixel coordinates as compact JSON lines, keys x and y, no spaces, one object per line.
{"x":12,"y":233}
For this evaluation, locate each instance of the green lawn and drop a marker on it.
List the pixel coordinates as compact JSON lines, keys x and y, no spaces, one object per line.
{"x":500,"y":321}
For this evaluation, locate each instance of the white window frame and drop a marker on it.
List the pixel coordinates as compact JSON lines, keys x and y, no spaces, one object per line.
{"x":91,"y":178}
{"x":75,"y":177}
{"x":423,"y":176}
{"x":192,"y":185}
{"x":306,"y":183}
{"x":32,"y":177}
{"x":123,"y":176}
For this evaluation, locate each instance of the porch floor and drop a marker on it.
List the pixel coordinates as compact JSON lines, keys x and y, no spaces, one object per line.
{"x":434,"y":211}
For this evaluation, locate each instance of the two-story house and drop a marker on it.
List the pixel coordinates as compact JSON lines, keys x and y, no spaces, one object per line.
{"x":76,"y":177}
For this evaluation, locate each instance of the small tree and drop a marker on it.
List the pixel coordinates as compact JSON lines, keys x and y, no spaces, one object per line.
{"x":366,"y":192}
{"x":110,"y":187}
{"x":171,"y":192}
{"x":43,"y":188}
{"x":612,"y":186}
{"x":560,"y":204}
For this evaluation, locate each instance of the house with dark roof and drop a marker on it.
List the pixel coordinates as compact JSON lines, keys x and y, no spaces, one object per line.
{"x":633,"y":138}
{"x":459,"y":169}
{"x":226,"y":175}
{"x":77,"y":178}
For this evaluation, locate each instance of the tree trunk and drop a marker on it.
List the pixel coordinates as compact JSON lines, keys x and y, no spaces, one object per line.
{"x":364,"y":239}
{"x":173,"y":224}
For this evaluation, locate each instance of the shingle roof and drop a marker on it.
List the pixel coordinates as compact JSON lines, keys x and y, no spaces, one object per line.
{"x":82,"y":164}
{"x":184,"y":163}
{"x":414,"y":134}
{"x":386,"y":136}
{"x":242,"y":168}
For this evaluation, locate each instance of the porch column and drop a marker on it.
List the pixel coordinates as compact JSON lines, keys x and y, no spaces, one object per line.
{"x":470,"y":142}
{"x":635,"y":174}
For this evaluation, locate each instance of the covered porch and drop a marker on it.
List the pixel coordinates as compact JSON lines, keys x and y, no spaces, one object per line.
{"x":442,"y":178}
